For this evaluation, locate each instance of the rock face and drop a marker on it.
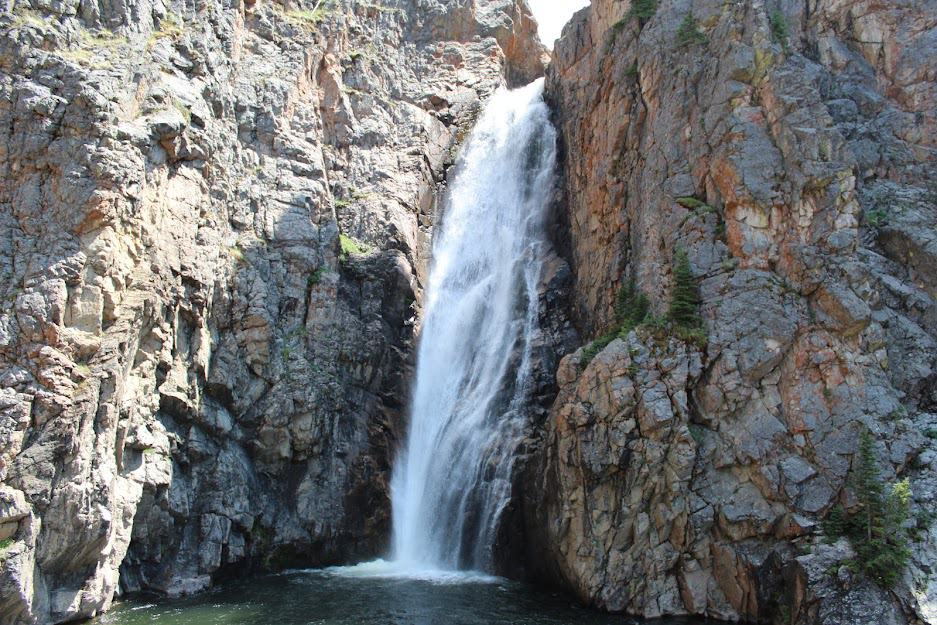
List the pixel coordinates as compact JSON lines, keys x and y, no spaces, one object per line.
{"x":215,"y":226}
{"x":789,"y":149}
{"x":216,"y":220}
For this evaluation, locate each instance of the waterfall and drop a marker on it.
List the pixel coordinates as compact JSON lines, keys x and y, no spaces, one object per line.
{"x":453,"y":479}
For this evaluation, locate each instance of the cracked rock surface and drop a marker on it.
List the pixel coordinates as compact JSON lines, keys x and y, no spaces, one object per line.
{"x":796,"y":170}
{"x":214,"y":229}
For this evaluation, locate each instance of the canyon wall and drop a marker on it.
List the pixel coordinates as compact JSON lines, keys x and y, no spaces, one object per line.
{"x":215,"y":227}
{"x":789,"y":149}
{"x":216,"y":220}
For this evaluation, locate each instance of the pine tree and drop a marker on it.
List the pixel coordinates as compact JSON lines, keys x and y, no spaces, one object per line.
{"x":881,"y":543}
{"x":631,"y":308}
{"x":684,"y":300}
{"x":876,"y":526}
{"x":643,"y":10}
{"x":868,"y":484}
{"x":689,"y":32}
{"x":779,"y":30}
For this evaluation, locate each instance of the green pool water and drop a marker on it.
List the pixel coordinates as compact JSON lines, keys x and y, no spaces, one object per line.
{"x":352,"y":596}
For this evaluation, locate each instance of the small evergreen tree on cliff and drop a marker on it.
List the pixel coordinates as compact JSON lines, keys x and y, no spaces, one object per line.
{"x":689,"y":32}
{"x":643,"y":10}
{"x":779,"y":30}
{"x":684,"y":300}
{"x":631,"y":308}
{"x":882,"y":544}
{"x":867,"y":482}
{"x":875,"y":527}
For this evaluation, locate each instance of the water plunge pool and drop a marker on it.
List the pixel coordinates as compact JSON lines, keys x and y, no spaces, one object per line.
{"x":350,"y":596}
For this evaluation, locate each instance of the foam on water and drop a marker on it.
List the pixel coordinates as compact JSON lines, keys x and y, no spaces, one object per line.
{"x":390,"y":569}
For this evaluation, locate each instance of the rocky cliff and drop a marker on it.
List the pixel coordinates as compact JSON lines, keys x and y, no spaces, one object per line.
{"x":216,"y":220}
{"x":789,"y":149}
{"x":215,"y":224}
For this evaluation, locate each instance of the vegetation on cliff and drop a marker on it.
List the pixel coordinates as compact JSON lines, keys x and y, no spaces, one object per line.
{"x":689,"y":33}
{"x":643,"y":10}
{"x":633,"y":310}
{"x":875,"y":525}
{"x":684,"y":300}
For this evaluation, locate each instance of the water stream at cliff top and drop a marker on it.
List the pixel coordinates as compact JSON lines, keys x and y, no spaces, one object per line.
{"x":453,"y":479}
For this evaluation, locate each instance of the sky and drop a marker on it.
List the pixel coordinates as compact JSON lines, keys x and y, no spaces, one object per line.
{"x":552,"y":15}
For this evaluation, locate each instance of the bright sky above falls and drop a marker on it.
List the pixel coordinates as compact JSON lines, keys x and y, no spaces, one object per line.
{"x":552,"y":15}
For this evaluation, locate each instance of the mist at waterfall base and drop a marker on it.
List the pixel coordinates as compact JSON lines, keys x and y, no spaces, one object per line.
{"x":452,"y":480}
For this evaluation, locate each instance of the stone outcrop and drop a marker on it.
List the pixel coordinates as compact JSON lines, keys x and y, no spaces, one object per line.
{"x":215,"y":222}
{"x":789,"y":149}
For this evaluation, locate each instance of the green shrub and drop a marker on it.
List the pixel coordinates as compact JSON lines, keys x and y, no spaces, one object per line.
{"x":183,"y":109}
{"x":316,"y":276}
{"x":237,"y":254}
{"x":354,"y":194}
{"x":897,"y":414}
{"x":684,"y":300}
{"x":5,"y":544}
{"x":352,"y":247}
{"x":689,"y":33}
{"x":877,"y":217}
{"x":595,"y":347}
{"x":642,"y":10}
{"x":720,"y":230}
{"x":698,"y":209}
{"x":631,"y":308}
{"x":836,"y":524}
{"x":691,"y":202}
{"x":101,"y":39}
{"x":696,"y":336}
{"x":26,"y":17}
{"x":779,"y":30}
{"x":308,"y":19}
{"x":876,"y":526}
{"x":170,"y":25}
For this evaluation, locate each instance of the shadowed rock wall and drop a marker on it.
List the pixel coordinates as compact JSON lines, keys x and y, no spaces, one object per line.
{"x":199,"y":374}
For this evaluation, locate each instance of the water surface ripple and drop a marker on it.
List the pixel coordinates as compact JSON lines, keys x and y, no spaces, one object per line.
{"x":349,"y":597}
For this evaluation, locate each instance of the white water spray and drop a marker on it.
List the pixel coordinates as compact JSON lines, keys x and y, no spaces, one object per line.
{"x":453,"y":479}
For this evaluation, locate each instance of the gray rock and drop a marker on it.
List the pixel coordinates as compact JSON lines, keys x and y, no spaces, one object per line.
{"x":194,"y":375}
{"x":797,"y":175}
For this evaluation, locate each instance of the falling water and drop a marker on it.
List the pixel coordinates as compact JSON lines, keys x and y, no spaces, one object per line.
{"x":453,"y":480}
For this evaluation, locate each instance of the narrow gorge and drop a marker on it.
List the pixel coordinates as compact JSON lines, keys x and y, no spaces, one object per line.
{"x":352,"y":311}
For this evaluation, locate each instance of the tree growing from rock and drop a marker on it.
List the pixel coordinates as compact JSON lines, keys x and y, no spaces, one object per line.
{"x":875,"y":526}
{"x":689,"y":32}
{"x":684,"y":300}
{"x":643,"y":10}
{"x":631,"y":308}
